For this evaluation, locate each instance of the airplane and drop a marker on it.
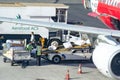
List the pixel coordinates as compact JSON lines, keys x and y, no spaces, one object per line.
{"x":106,"y":55}
{"x":105,"y":10}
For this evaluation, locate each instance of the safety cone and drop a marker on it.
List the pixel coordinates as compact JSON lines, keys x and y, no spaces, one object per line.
{"x":80,"y":69}
{"x":67,"y":75}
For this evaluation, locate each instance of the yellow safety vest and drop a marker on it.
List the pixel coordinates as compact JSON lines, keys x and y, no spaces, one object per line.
{"x":39,"y":51}
{"x":29,"y":47}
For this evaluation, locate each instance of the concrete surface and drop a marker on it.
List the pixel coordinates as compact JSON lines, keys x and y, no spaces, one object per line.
{"x":76,"y":12}
{"x":45,"y":1}
{"x":49,"y":71}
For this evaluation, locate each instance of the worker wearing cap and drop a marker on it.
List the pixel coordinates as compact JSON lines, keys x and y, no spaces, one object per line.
{"x":39,"y":52}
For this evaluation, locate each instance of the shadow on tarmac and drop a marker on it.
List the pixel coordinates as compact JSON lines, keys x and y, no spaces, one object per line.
{"x":85,"y":63}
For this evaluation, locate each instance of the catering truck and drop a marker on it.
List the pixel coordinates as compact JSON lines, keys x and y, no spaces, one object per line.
{"x":47,"y":12}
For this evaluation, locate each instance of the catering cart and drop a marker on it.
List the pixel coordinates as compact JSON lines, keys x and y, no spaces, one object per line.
{"x":14,"y":51}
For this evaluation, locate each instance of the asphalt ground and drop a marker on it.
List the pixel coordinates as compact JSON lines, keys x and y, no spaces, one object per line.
{"x":76,"y":12}
{"x":50,"y":71}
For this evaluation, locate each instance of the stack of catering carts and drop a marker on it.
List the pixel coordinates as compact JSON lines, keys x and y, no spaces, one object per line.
{"x":14,"y":51}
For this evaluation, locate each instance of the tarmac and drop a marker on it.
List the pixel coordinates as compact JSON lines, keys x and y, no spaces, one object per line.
{"x":76,"y":12}
{"x":48,"y":70}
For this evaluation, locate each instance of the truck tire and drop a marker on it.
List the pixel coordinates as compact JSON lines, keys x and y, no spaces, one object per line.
{"x":4,"y":60}
{"x":55,"y":42}
{"x":12,"y":63}
{"x":56,"y":59}
{"x":91,"y":60}
{"x":24,"y":64}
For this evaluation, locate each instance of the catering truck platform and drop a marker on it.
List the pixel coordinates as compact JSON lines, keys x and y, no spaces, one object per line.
{"x":82,"y":52}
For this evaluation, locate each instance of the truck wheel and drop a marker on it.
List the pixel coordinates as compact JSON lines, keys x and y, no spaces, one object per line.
{"x":4,"y":60}
{"x":24,"y":64}
{"x":55,"y":42}
{"x":56,"y":59}
{"x":12,"y":63}
{"x":91,"y":59}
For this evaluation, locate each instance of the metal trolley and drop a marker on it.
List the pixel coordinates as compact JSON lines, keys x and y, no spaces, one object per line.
{"x":16,"y":54}
{"x":17,"y":57}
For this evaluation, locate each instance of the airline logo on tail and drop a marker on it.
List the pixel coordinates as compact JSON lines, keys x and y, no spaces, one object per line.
{"x":111,"y":2}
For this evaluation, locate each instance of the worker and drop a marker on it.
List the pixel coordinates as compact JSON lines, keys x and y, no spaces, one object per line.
{"x":32,"y":39}
{"x":39,"y":53}
{"x":29,"y":47}
{"x":42,"y":41}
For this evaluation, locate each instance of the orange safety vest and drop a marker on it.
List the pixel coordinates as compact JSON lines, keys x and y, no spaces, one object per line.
{"x":42,"y":41}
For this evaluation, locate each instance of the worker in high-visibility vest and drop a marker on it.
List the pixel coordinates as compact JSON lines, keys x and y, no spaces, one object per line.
{"x":42,"y":41}
{"x":38,"y":54}
{"x":29,"y":47}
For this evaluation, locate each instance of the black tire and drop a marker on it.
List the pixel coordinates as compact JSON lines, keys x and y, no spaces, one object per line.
{"x":24,"y":64}
{"x":4,"y":60}
{"x":12,"y":63}
{"x":28,"y":62}
{"x":91,"y":60}
{"x":55,"y":42}
{"x":56,"y":59}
